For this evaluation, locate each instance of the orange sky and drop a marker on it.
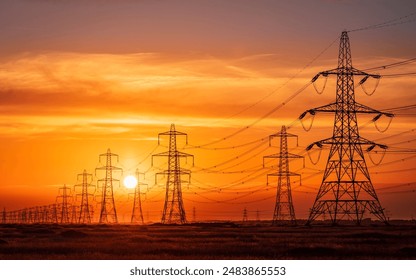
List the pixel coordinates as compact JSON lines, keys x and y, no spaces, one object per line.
{"x":71,"y":87}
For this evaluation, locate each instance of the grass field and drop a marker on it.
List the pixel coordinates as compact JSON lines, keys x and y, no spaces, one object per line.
{"x":207,"y":241}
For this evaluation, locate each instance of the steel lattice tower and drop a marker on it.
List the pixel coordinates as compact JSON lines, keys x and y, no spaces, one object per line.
{"x":245,"y":215}
{"x":54,"y":214}
{"x":64,"y":207}
{"x":74,"y":214}
{"x":3,"y":216}
{"x":85,"y":212}
{"x":108,"y":213}
{"x":193,"y":214}
{"x":173,"y":210}
{"x":137,"y":213}
{"x":346,"y":191}
{"x":284,"y":212}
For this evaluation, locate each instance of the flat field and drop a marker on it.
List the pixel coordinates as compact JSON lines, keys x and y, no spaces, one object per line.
{"x":207,"y":241}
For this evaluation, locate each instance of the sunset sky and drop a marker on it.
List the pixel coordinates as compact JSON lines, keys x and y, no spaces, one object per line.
{"x":78,"y":77}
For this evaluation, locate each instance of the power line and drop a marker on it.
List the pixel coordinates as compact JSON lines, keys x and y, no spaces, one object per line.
{"x":287,"y":81}
{"x":391,"y":65}
{"x":226,"y":147}
{"x":392,"y":22}
{"x":398,"y":75}
{"x":259,"y":119}
{"x":234,"y":158}
{"x":401,"y":108}
{"x":397,"y":186}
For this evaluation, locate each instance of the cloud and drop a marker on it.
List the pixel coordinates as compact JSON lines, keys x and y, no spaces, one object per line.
{"x":133,"y":82}
{"x":90,"y":94}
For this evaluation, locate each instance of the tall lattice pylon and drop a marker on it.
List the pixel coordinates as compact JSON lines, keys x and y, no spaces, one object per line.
{"x":108,"y":213}
{"x":346,"y":191}
{"x":137,"y":213}
{"x":284,"y":212}
{"x":62,"y":200}
{"x":85,"y":208}
{"x":173,"y":210}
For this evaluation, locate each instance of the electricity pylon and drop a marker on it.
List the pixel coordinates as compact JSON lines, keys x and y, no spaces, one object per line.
{"x":173,"y":210}
{"x":62,"y":201}
{"x":54,"y":213}
{"x":108,"y":213}
{"x":245,"y":215}
{"x":284,"y":212}
{"x":137,"y":213}
{"x":194,"y":214}
{"x":85,"y":211}
{"x":3,"y":216}
{"x":74,"y":214}
{"x":346,"y":191}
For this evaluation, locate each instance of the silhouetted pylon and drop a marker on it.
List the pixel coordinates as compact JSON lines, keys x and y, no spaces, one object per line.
{"x":53,"y":213}
{"x":45,"y":215}
{"x":108,"y":213}
{"x":74,"y":214}
{"x":193,"y":214}
{"x":245,"y":215}
{"x":284,"y":211}
{"x":62,"y":201}
{"x":85,"y":212}
{"x":346,"y":191}
{"x":3,"y":216}
{"x":137,"y":213}
{"x":36,"y":215}
{"x":173,"y":210}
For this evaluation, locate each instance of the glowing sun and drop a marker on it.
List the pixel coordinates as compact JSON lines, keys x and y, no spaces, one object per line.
{"x":130,"y":182}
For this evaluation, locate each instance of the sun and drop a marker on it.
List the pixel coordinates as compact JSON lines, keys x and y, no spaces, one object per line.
{"x":130,"y":182}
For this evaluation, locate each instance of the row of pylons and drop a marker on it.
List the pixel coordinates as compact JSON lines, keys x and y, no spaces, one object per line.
{"x":346,"y":190}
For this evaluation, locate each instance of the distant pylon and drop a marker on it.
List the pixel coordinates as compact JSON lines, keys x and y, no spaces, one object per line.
{"x":173,"y":210}
{"x":346,"y":191}
{"x":74,"y":214}
{"x":193,"y":214}
{"x":245,"y":215}
{"x":53,"y":213}
{"x":45,"y":215}
{"x":62,"y":201}
{"x":36,"y":216}
{"x":137,"y":213}
{"x":85,"y":212}
{"x":284,"y":212}
{"x":108,"y":213}
{"x":3,"y":216}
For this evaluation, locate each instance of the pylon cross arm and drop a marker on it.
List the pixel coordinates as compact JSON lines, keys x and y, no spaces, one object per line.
{"x":283,"y":174}
{"x":278,"y":155}
{"x":182,"y":154}
{"x":329,"y":108}
{"x":108,"y":154}
{"x":345,"y":71}
{"x":360,"y":108}
{"x":280,"y":134}
{"x":104,"y":180}
{"x":174,"y":132}
{"x":108,"y":167}
{"x":356,"y":141}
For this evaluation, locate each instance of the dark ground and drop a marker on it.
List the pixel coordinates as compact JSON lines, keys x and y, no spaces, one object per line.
{"x":208,"y":241}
